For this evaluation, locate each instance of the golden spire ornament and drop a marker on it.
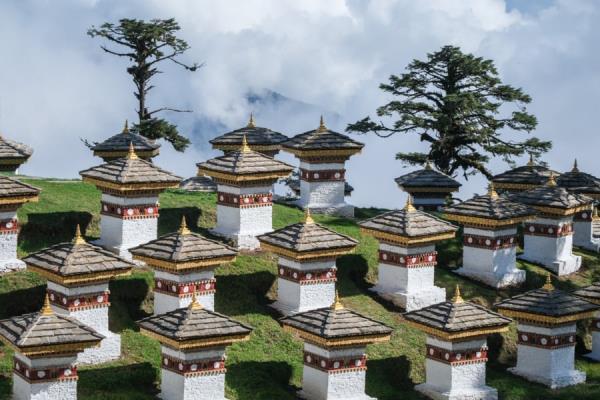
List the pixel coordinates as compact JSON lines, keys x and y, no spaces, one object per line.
{"x":78,"y":239}
{"x":548,"y":284}
{"x":531,"y":163}
{"x":492,"y":191}
{"x":183,"y":229}
{"x":575,"y":169}
{"x":251,"y":123}
{"x":322,"y":127}
{"x":46,"y":308}
{"x":337,"y":304}
{"x":428,"y":165}
{"x":409,"y":207}
{"x":131,"y":154}
{"x":245,"y":148}
{"x":195,"y":304}
{"x":308,"y":219}
{"x":457,"y":299}
{"x":126,"y":127}
{"x":551,"y":181}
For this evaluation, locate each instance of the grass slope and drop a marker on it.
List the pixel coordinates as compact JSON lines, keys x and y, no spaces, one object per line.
{"x":269,"y":366}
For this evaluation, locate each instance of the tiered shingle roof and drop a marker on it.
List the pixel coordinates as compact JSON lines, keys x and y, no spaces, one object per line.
{"x":590,"y":293}
{"x":117,"y":146}
{"x":457,"y":319}
{"x":523,"y":178}
{"x":44,"y":332}
{"x":13,"y":154}
{"x":547,"y":305}
{"x":307,"y":240}
{"x":77,"y":262}
{"x":427,"y":179}
{"x":198,"y":184}
{"x":258,"y":138}
{"x":14,"y":192}
{"x":580,"y":182}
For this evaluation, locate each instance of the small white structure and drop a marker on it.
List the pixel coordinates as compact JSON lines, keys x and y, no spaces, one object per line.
{"x":407,"y":255}
{"x":13,"y":194}
{"x":456,"y":348}
{"x":78,"y":274}
{"x":245,"y":181}
{"x":546,"y":334}
{"x":322,"y":155}
{"x":592,"y":294}
{"x":306,"y":270}
{"x":184,"y":264}
{"x":335,"y":360}
{"x":490,"y":238}
{"x":548,"y":239}
{"x":129,"y":207}
{"x":46,"y":347}
{"x":117,"y":146}
{"x":579,"y":182}
{"x":429,"y":189}
{"x":193,"y":342}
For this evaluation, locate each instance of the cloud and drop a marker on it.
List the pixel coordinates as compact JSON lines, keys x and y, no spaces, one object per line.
{"x":56,"y":85}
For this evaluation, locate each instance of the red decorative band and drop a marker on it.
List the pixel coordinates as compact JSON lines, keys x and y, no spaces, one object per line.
{"x":546,"y":341}
{"x":548,"y":230}
{"x":211,"y":366}
{"x":490,"y":243}
{"x":183,"y":289}
{"x":335,"y":365}
{"x":9,"y":226}
{"x":468,"y":356}
{"x":244,"y":200}
{"x":595,"y":327}
{"x":32,"y":375}
{"x":139,"y":211}
{"x":311,"y":277}
{"x":583,"y":216}
{"x":322,"y":175}
{"x":79,"y":302}
{"x":408,"y":261}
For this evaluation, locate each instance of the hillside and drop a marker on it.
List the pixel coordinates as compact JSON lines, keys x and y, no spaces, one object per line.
{"x":269,"y":366}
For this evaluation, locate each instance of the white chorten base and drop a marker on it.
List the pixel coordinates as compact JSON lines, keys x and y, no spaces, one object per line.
{"x":35,"y":387}
{"x":553,"y":366}
{"x":343,"y":209}
{"x":11,"y":265}
{"x":322,"y":189}
{"x":414,"y":300}
{"x":583,"y":235}
{"x":109,"y":350}
{"x":174,"y":291}
{"x":507,"y":279}
{"x":434,"y":392}
{"x":321,"y":380}
{"x":8,"y":245}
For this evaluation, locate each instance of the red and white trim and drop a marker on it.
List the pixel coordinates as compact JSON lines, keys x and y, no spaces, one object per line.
{"x":421,"y":260}
{"x":458,"y":357}
{"x":548,"y":230}
{"x":244,"y":200}
{"x":490,"y":243}
{"x":138,"y":211}
{"x":47,"y":374}
{"x":595,"y":326}
{"x":312,"y":277}
{"x":210,"y":366}
{"x":185,"y":289}
{"x":9,"y":226}
{"x":322,"y":175}
{"x":337,"y":364}
{"x":583,"y":216}
{"x":546,"y":341}
{"x":79,"y":302}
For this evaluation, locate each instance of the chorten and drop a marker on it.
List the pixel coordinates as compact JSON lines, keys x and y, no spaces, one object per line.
{"x":117,"y":146}
{"x":490,"y":237}
{"x":294,"y":186}
{"x":592,"y":294}
{"x":549,"y":237}
{"x":407,"y":255}
{"x":245,"y":181}
{"x":579,"y":182}
{"x":262,"y":140}
{"x":546,"y":334}
{"x":184,"y":264}
{"x":193,"y":342}
{"x":13,"y":155}
{"x":522,"y":178}
{"x":307,"y":264}
{"x":430,"y":189}
{"x":13,"y":194}
{"x":322,"y":154}
{"x":335,"y":341}
{"x":78,"y":274}
{"x":46,"y":347}
{"x":129,"y":206}
{"x":457,"y":350}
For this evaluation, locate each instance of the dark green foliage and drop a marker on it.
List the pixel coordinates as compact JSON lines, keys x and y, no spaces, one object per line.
{"x":457,"y":103}
{"x":146,"y":44}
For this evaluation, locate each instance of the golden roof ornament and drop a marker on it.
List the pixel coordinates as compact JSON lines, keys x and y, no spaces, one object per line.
{"x":595,"y":213}
{"x":492,"y":191}
{"x":457,"y":299}
{"x":530,"y":163}
{"x":409,"y":207}
{"x":46,"y":308}
{"x":308,"y":219}
{"x":183,"y":229}
{"x":548,"y":284}
{"x":428,"y":165}
{"x":251,"y":123}
{"x":337,"y":304}
{"x":195,"y":304}
{"x":551,"y":181}
{"x":131,"y":154}
{"x":322,"y":127}
{"x":575,"y":169}
{"x":245,"y":148}
{"x":78,"y":239}
{"x":126,"y":127}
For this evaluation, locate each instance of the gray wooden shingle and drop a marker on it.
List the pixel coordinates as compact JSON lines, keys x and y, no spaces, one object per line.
{"x":408,"y":223}
{"x":579,"y":182}
{"x":322,"y":139}
{"x":551,"y":196}
{"x":198,"y":184}
{"x":551,"y":303}
{"x":130,"y":171}
{"x":307,"y":237}
{"x":246,"y":163}
{"x":256,"y":136}
{"x":427,"y":177}
{"x":10,"y":187}
{"x":525,"y":175}
{"x":489,"y":206}
{"x":122,"y":141}
{"x":590,"y":293}
{"x":9,"y":149}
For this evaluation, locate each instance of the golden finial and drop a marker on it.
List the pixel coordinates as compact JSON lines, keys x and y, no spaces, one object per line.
{"x":548,"y":284}
{"x":492,"y":191}
{"x":308,"y":219}
{"x":427,"y":164}
{"x":457,"y":299}
{"x":78,"y":239}
{"x":409,"y":204}
{"x":126,"y":127}
{"x":251,"y":122}
{"x":531,"y":163}
{"x":183,"y":229}
{"x":595,"y":214}
{"x":131,"y":154}
{"x":195,"y":304}
{"x":322,"y":127}
{"x":337,"y":304}
{"x":245,"y":148}
{"x":551,"y":181}
{"x":46,"y":308}
{"x":575,"y":169}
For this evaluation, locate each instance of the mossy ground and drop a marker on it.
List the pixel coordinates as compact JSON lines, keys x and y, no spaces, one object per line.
{"x":269,"y":366}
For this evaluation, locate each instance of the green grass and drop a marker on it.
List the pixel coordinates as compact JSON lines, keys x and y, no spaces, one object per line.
{"x":269,"y":366}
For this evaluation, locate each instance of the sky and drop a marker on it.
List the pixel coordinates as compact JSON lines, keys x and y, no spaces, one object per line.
{"x":57,"y":86}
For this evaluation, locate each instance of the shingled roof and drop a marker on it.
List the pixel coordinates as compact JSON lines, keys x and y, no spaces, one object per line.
{"x":548,"y":305}
{"x":457,"y":319}
{"x":322,"y":139}
{"x":579,"y":182}
{"x":39,"y":332}
{"x":336,"y":325}
{"x":202,"y":327}
{"x":480,"y":209}
{"x":9,"y":149}
{"x":77,"y":261}
{"x":258,"y":138}
{"x":181,"y":247}
{"x":198,"y":184}
{"x":307,"y":240}
{"x":117,"y":146}
{"x":408,"y":226}
{"x":590,"y":293}
{"x":130,"y":170}
{"x":12,"y":188}
{"x":524,"y":177}
{"x":551,"y":198}
{"x":427,"y":178}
